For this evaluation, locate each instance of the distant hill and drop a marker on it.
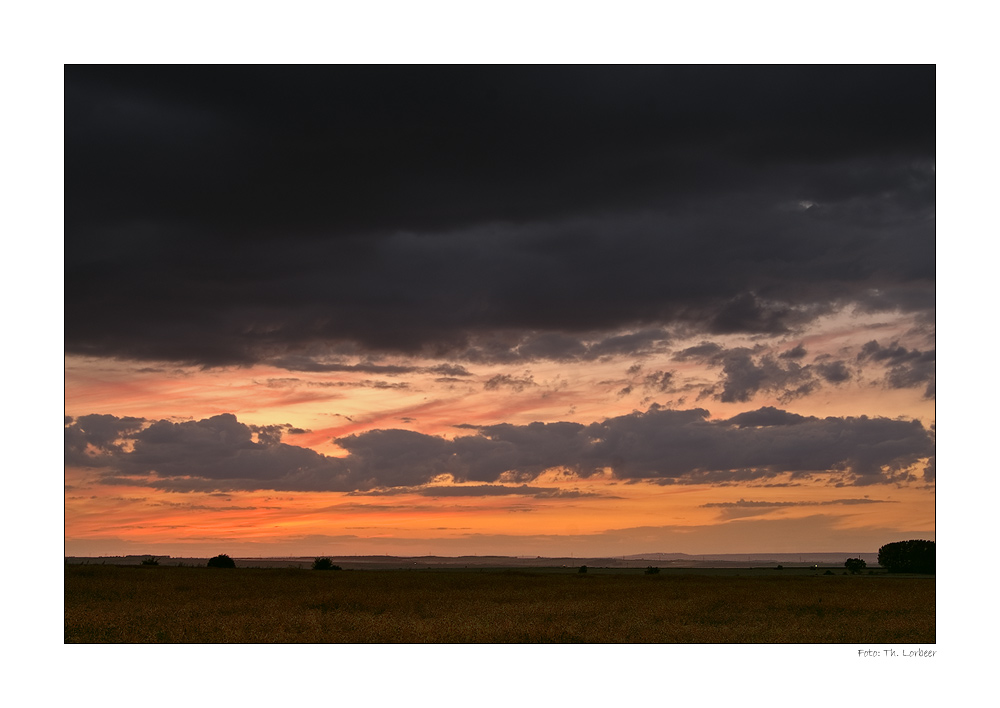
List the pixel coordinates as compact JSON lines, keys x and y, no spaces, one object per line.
{"x":757,"y":558}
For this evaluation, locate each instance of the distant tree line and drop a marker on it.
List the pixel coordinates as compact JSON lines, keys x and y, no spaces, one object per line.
{"x":908,"y":557}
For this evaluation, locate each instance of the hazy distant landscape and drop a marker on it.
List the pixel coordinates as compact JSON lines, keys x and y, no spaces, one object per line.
{"x":640,"y":561}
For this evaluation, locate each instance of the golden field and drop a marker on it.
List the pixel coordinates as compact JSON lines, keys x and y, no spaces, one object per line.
{"x":140,"y":604}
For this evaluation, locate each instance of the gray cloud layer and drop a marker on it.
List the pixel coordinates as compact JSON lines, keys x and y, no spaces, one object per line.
{"x":746,"y":372}
{"x":228,"y":215}
{"x":907,"y":368}
{"x":664,"y":446}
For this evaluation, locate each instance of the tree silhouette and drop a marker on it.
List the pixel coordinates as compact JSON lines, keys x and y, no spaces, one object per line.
{"x":221,"y":561}
{"x":324,"y":564}
{"x":915,"y":556}
{"x":855,"y":565}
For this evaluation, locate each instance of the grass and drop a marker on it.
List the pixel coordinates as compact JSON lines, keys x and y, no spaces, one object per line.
{"x":140,"y":604}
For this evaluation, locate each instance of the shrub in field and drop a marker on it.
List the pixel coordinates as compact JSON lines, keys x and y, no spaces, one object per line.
{"x":583,"y":569}
{"x":651,"y":570}
{"x":221,"y":561}
{"x":150,"y":561}
{"x":324,"y":564}
{"x":855,"y":565}
{"x":908,"y":557}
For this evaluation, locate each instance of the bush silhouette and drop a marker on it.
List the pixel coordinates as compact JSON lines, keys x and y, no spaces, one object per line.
{"x":324,"y":564}
{"x":651,"y":570}
{"x":908,"y":557}
{"x":583,"y":569}
{"x":221,"y":561}
{"x":855,"y":565}
{"x":150,"y":561}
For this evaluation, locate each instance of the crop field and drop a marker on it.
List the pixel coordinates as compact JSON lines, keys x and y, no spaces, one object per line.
{"x":112,"y":604}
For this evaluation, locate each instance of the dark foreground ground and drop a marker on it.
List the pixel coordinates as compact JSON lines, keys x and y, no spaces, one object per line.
{"x":138,"y":604}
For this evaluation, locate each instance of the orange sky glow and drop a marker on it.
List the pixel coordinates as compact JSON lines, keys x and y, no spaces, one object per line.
{"x":577,"y":515}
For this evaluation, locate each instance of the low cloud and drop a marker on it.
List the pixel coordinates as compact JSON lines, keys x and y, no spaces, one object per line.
{"x":766,"y":417}
{"x":305,"y":363}
{"x":488,"y":490}
{"x":508,"y":381}
{"x":95,"y":440}
{"x":706,"y":351}
{"x":796,"y":353}
{"x":353,"y":383}
{"x":747,"y":372}
{"x":907,"y":368}
{"x":659,"y":445}
{"x":743,"y":503}
{"x":300,"y":362}
{"x":743,"y":377}
{"x":834,"y":372}
{"x":653,"y":383}
{"x":744,"y":508}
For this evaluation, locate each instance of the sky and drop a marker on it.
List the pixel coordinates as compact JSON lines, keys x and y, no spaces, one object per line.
{"x":514,"y":310}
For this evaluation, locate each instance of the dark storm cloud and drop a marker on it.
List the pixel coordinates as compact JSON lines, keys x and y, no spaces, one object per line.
{"x":746,"y":313}
{"x":665,"y":446}
{"x":645,"y":341}
{"x":532,"y":346}
{"x":552,"y":345}
{"x":229,"y":215}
